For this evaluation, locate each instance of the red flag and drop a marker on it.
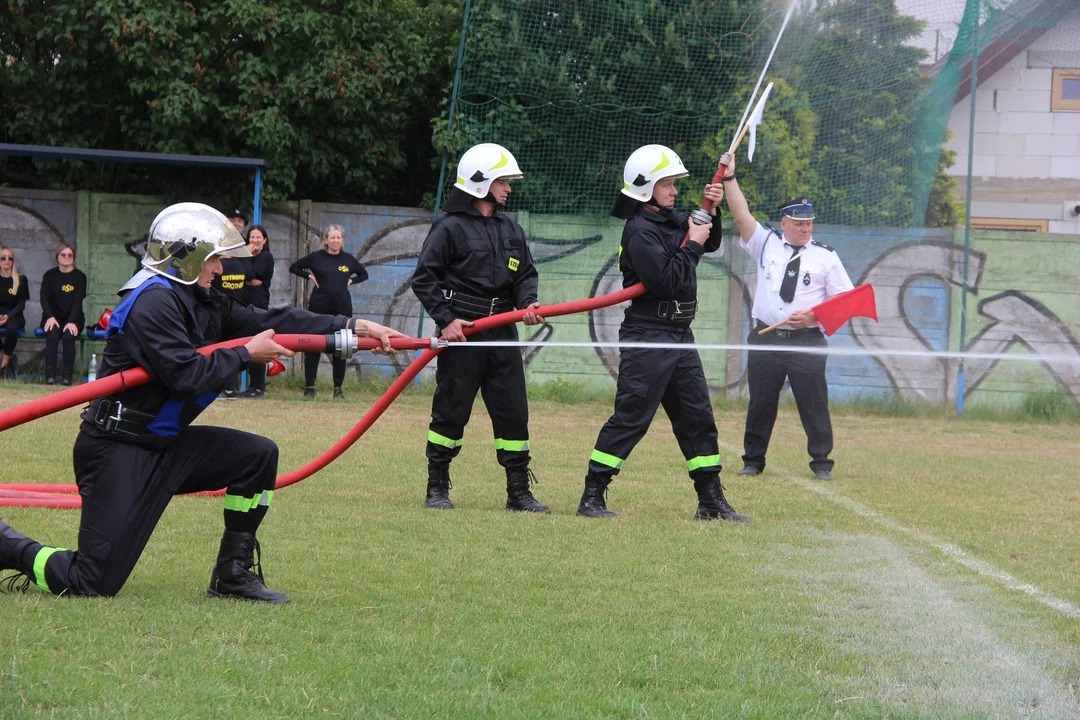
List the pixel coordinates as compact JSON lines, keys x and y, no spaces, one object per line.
{"x":837,"y":310}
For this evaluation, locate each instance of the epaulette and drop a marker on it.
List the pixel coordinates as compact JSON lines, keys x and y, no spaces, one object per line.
{"x":823,"y":245}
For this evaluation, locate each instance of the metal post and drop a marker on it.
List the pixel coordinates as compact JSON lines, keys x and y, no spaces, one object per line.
{"x":967,"y":210}
{"x":449,"y":126}
{"x":256,"y":207}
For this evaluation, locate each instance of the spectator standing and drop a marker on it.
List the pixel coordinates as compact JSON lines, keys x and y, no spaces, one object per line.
{"x":332,"y":271}
{"x":260,"y":273}
{"x":231,"y":284}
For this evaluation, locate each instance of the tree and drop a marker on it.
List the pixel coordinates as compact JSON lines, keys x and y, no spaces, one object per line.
{"x":337,"y":95}
{"x":572,"y":87}
{"x":864,"y":83}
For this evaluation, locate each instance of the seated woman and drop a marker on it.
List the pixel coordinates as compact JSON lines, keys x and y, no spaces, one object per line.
{"x":63,"y":289}
{"x":14,"y":292}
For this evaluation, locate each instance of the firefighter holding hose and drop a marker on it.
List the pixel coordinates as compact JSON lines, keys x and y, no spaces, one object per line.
{"x":652,"y":251}
{"x":135,"y":449}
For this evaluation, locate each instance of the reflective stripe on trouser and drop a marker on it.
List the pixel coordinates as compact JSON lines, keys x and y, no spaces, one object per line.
{"x":437,"y":439}
{"x":647,"y":380}
{"x":499,"y":376}
{"x":239,"y":503}
{"x":125,"y":488}
{"x":41,"y":559}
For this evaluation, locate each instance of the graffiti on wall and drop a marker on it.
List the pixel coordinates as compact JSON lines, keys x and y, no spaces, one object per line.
{"x":1015,"y":319}
{"x":917,"y":284}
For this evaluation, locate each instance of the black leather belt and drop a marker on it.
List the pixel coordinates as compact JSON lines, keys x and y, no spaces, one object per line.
{"x":676,"y":311}
{"x":471,"y":306}
{"x":801,"y":332}
{"x":112,"y":417}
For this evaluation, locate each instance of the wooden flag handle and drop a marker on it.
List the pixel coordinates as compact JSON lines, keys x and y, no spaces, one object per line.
{"x":738,"y":139}
{"x":772,"y":327}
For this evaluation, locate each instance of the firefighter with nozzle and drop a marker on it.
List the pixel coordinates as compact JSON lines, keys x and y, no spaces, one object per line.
{"x":653,"y":253}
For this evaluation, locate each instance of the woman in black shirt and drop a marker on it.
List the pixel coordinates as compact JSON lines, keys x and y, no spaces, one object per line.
{"x":260,"y":272}
{"x":332,"y":271}
{"x":14,"y":292}
{"x":63,"y":290}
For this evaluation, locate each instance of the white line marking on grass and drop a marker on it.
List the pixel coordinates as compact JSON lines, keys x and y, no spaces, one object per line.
{"x":953,"y":552}
{"x":919,"y":641}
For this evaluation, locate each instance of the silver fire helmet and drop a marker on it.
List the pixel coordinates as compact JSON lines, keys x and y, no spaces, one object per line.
{"x":186,"y":235}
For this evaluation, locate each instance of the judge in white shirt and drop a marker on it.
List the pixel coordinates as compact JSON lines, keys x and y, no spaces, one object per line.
{"x":794,"y":273}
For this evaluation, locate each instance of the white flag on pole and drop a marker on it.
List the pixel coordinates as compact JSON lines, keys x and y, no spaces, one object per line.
{"x":755,"y":120}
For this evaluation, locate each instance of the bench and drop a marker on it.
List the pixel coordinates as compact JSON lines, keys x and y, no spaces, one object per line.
{"x":91,"y":340}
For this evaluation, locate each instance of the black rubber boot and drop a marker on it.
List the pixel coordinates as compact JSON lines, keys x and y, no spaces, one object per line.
{"x":13,"y":547}
{"x":339,"y":394}
{"x":712,"y":505}
{"x":233,"y":576}
{"x":438,"y":487}
{"x":518,"y":496}
{"x":593,"y":503}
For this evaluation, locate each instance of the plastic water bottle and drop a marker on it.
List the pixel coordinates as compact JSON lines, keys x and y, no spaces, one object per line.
{"x":91,"y":375}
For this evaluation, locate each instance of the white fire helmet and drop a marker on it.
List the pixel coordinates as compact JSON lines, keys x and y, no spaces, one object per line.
{"x":646,"y":166}
{"x":481,"y":164}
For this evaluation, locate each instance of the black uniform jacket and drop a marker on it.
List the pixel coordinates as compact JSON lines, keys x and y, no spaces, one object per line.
{"x":161,"y":332}
{"x":650,"y":253}
{"x":485,"y":257}
{"x":232,"y":278}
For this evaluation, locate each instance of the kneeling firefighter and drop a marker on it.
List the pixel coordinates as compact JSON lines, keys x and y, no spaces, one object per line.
{"x":476,"y":262}
{"x":651,"y":252}
{"x":135,"y":449}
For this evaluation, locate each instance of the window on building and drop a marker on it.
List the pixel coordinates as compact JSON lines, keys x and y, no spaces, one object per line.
{"x":1065,"y":94}
{"x":985,"y":223}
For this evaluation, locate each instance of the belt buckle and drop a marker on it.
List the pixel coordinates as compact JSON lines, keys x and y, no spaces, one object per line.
{"x":678,"y":310}
{"x":491,"y":308}
{"x":783,"y":333}
{"x":115,"y":418}
{"x":102,"y":418}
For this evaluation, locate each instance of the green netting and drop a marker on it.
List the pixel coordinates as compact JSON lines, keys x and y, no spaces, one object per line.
{"x":870,"y":117}
{"x":857,"y":119}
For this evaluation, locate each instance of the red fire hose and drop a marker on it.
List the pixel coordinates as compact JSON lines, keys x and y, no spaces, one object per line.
{"x":62,"y":495}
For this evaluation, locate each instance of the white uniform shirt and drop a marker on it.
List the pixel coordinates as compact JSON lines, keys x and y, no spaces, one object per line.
{"x":821,"y":275}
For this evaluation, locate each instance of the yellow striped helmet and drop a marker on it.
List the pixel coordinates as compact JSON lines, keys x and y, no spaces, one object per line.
{"x":481,"y":164}
{"x":647,"y":165}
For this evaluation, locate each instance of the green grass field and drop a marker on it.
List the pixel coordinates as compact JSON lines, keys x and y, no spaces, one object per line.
{"x":936,"y":577}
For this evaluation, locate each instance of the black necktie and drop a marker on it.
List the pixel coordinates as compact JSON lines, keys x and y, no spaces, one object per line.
{"x":791,"y":276}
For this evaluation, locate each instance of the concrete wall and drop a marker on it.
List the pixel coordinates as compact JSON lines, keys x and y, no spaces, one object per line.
{"x":1026,"y":159}
{"x":1023,"y":290}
